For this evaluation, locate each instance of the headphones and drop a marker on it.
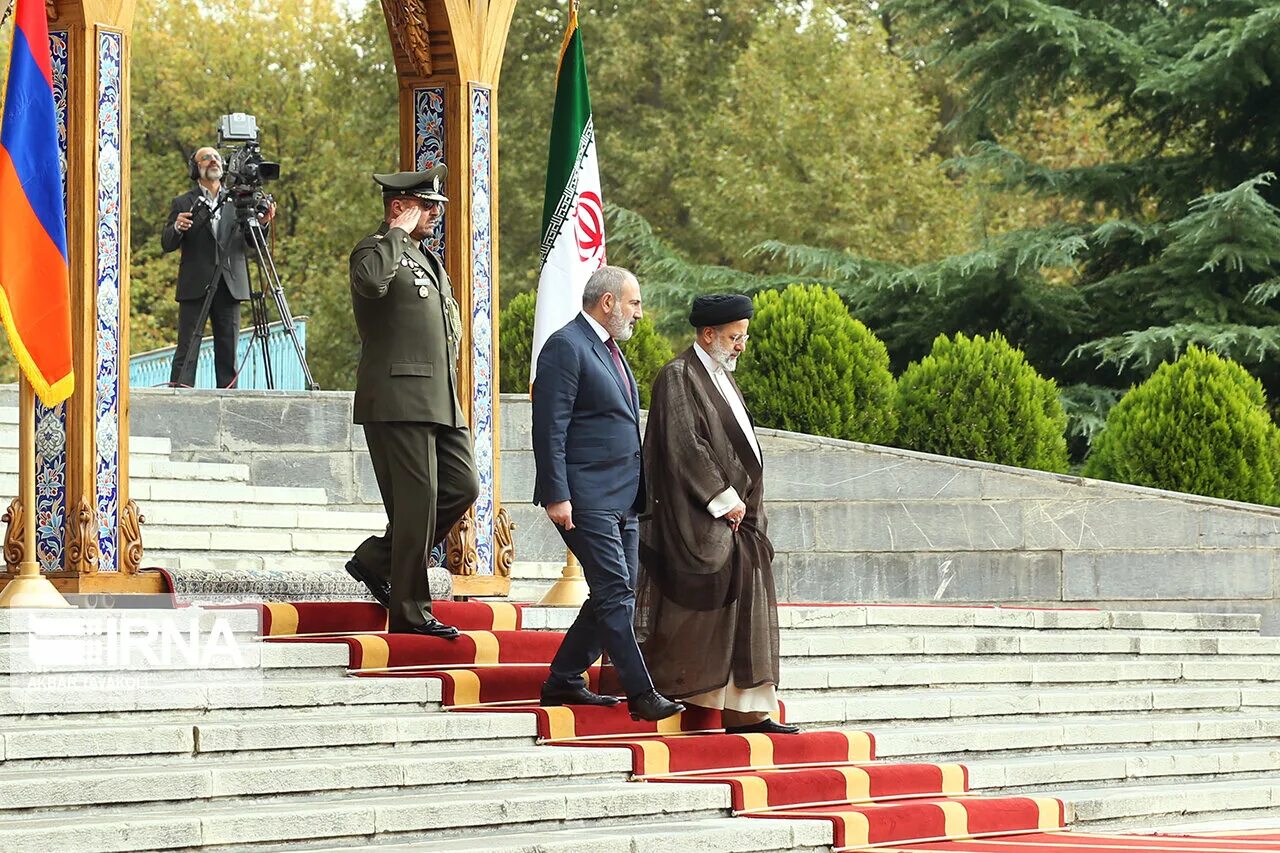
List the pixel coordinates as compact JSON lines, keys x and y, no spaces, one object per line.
{"x":193,"y":171}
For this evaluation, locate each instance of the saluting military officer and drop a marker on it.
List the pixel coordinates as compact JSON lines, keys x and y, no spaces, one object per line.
{"x":407,"y":399}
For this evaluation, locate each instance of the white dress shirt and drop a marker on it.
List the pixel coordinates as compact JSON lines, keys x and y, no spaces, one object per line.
{"x":729,"y":498}
{"x":600,"y":330}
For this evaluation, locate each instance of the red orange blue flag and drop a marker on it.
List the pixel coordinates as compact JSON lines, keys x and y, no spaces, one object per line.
{"x":35,"y":294}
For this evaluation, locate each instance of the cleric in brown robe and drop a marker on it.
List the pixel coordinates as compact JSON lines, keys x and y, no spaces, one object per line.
{"x":706,"y":610}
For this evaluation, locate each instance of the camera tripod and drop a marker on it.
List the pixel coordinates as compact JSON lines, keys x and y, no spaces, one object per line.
{"x":268,"y":279}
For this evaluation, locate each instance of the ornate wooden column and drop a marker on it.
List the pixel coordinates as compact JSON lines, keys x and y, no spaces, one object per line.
{"x":87,"y":534}
{"x":448,"y":58}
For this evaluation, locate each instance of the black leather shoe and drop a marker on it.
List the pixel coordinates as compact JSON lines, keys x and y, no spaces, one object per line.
{"x":764,"y":727}
{"x":433,"y":628}
{"x":652,"y":706}
{"x":553,"y":696}
{"x":380,"y":591}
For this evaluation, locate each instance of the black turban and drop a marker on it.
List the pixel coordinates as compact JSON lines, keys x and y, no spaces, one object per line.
{"x":716,"y":309}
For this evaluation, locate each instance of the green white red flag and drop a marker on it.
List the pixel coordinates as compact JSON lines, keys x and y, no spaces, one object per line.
{"x":573,"y":209}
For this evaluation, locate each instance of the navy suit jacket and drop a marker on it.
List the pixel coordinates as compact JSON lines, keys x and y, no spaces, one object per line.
{"x":586,"y":427}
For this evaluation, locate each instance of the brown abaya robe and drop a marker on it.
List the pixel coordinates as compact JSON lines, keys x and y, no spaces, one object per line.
{"x":706,"y":609}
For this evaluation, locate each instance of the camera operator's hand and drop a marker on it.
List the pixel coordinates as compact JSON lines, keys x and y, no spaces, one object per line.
{"x":183,"y":222}
{"x":407,"y":220}
{"x":269,"y":215}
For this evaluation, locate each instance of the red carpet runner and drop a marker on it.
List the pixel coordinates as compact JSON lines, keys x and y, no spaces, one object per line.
{"x":496,"y":667}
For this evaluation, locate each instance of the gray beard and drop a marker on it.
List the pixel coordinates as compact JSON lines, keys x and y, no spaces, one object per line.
{"x":723,"y":357}
{"x":618,"y":328}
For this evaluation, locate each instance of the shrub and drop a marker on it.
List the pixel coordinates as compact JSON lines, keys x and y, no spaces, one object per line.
{"x":811,"y":367}
{"x":646,"y":352}
{"x":1198,"y":425}
{"x":515,"y":343}
{"x":978,"y":398}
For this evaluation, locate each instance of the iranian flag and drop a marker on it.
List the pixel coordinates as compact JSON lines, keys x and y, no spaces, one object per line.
{"x":573,"y":211}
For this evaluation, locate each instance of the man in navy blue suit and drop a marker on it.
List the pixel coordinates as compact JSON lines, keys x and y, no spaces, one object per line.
{"x":586,"y":445}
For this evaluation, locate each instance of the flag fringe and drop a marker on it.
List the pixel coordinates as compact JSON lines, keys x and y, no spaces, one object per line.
{"x":568,"y":36}
{"x":50,"y":393}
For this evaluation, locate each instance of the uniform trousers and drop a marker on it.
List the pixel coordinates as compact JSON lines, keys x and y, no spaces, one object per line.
{"x":427,"y":478}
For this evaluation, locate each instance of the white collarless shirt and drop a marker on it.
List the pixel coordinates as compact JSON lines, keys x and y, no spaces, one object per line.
{"x":729,"y":498}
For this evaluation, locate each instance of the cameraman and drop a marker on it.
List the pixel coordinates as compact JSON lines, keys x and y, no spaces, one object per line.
{"x":203,"y":224}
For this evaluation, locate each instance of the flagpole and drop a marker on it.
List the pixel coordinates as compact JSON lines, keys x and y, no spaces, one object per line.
{"x":29,"y":588}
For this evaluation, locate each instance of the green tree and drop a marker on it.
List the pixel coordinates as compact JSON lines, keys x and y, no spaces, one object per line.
{"x":707,"y":129}
{"x":813,"y":368}
{"x":656,"y":70}
{"x":515,"y":342}
{"x":1179,"y":238}
{"x":978,"y":398}
{"x":1198,"y":425}
{"x":782,"y":158}
{"x":646,"y":352}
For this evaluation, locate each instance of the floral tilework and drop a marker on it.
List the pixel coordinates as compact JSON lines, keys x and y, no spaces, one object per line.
{"x":482,"y":318}
{"x":107,"y":350}
{"x":51,"y":424}
{"x":428,"y":143}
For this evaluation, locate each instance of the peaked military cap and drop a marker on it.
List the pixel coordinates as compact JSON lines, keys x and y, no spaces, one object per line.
{"x":426,"y":185}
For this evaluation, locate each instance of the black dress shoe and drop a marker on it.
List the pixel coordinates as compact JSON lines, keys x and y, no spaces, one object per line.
{"x":433,"y":628}
{"x":652,"y":706}
{"x":554,"y":696}
{"x":764,"y":727}
{"x":380,"y":590}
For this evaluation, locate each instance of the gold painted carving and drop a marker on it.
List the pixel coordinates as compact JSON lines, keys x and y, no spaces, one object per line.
{"x":131,"y":521}
{"x":13,"y":549}
{"x":461,"y":557}
{"x":504,"y":541}
{"x":82,"y":549}
{"x":409,"y":28}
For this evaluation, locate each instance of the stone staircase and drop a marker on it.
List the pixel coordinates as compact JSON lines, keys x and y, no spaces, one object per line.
{"x":1134,"y":720}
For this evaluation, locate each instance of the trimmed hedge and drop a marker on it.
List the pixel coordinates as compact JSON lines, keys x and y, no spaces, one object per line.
{"x":1198,"y":425}
{"x":515,"y":343}
{"x":978,"y":398}
{"x":811,"y":367}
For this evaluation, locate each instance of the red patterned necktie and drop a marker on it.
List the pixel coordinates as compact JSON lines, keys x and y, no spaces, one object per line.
{"x":617,"y":362}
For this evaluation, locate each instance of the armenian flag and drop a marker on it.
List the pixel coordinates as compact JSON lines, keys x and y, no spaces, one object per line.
{"x":35,"y":295}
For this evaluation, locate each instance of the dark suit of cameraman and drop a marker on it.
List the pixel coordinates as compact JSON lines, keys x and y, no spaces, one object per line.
{"x":407,"y":401}
{"x":213,"y":255}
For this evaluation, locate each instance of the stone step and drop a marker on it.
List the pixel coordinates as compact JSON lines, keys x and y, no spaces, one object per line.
{"x":1041,"y":773}
{"x":798,"y":678}
{"x":937,"y":704}
{"x":138,"y":445}
{"x":221,"y":540}
{"x":266,"y":518}
{"x":225,"y":492}
{"x":264,"y":737}
{"x":1125,"y":806}
{"x":984,"y":619}
{"x":730,"y":835}
{"x":286,"y":819}
{"x":182,"y":703}
{"x":148,"y":468}
{"x":142,"y":656}
{"x":946,"y":740}
{"x":419,"y":771}
{"x":846,"y":646}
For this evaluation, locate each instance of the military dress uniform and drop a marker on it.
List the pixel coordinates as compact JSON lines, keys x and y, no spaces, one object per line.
{"x":406,"y":399}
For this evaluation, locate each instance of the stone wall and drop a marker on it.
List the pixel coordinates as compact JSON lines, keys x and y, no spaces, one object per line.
{"x":851,"y":522}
